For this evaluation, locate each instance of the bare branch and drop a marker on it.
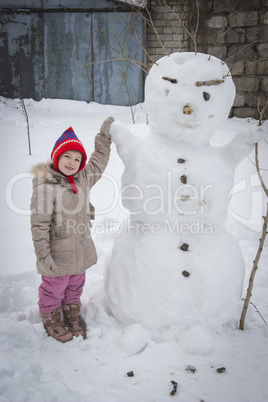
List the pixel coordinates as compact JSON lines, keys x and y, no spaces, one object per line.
{"x":222,"y":32}
{"x":181,"y":24}
{"x":257,"y":310}
{"x":265,"y":107}
{"x":124,"y":75}
{"x":241,"y":50}
{"x":122,"y":59}
{"x":259,"y":251}
{"x":24,"y":111}
{"x":151,"y":24}
{"x":196,"y":29}
{"x":134,"y":32}
{"x":258,"y":170}
{"x":230,"y":73}
{"x":253,"y":272}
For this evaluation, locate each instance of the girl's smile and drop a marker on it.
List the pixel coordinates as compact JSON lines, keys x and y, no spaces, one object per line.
{"x":69,"y":162}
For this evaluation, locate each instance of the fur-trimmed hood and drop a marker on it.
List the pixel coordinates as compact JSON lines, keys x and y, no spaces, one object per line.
{"x":40,"y":167}
{"x":44,"y":173}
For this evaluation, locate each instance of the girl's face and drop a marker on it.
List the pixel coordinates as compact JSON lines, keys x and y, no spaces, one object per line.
{"x":69,"y":162}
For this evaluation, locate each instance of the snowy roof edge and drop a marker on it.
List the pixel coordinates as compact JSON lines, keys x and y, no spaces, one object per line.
{"x":138,"y":3}
{"x":9,"y":6}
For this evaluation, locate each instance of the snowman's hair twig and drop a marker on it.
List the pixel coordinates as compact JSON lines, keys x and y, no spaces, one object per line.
{"x":172,"y":80}
{"x":212,"y":82}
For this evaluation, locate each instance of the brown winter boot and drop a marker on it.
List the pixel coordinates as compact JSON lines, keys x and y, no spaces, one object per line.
{"x":72,"y":320}
{"x":55,"y":327}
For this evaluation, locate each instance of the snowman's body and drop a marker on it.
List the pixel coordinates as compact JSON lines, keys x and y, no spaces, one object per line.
{"x":174,"y":250}
{"x":177,"y":183}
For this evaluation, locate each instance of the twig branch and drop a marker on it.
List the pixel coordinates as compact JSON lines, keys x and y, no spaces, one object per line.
{"x":196,"y":28}
{"x":124,"y":76}
{"x":24,"y":112}
{"x":258,"y":170}
{"x":258,"y":311}
{"x":230,"y":73}
{"x":253,"y":272}
{"x":132,"y":29}
{"x":222,"y":32}
{"x":241,"y":50}
{"x":181,"y":24}
{"x":259,"y":251}
{"x":151,"y":24}
{"x":265,"y":107}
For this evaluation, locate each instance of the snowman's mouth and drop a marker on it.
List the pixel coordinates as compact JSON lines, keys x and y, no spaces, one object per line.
{"x":190,"y":125}
{"x":187,"y":120}
{"x":187,"y":123}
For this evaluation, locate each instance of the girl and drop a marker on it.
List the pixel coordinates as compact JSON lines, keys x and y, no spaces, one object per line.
{"x":60,"y":224}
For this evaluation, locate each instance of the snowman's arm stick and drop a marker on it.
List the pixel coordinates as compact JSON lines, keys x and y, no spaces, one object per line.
{"x":242,"y":144}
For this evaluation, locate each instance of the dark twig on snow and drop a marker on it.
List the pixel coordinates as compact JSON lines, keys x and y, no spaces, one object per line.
{"x":175,"y":385}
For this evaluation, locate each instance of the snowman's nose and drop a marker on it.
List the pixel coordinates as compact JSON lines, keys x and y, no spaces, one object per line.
{"x":187,"y":109}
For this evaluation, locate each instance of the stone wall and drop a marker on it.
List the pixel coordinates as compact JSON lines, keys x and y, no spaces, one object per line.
{"x":235,"y":31}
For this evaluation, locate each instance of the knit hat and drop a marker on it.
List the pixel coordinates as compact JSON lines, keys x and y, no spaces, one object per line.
{"x":68,"y":141}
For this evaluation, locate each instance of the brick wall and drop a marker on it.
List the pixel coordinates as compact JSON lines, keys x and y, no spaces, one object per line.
{"x":168,"y":34}
{"x":236,"y":34}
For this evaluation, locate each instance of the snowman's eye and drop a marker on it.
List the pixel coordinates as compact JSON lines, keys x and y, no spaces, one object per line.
{"x":172,"y":80}
{"x":206,"y":96}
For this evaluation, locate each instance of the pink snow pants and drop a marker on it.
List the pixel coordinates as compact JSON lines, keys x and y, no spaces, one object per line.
{"x":55,"y":291}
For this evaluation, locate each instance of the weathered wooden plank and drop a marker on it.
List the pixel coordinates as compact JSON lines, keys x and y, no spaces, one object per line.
{"x":117,"y":82}
{"x":64,"y":55}
{"x":67,"y":46}
{"x":21,"y":55}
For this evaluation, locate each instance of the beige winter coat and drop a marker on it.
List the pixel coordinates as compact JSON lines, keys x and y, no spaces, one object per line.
{"x":60,"y":219}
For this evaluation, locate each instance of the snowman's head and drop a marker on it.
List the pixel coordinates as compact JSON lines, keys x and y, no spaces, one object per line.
{"x":188,"y":95}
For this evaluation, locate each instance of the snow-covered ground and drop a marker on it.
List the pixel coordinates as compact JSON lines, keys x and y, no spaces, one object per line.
{"x":34,"y":367}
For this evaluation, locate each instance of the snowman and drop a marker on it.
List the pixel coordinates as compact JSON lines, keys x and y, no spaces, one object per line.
{"x":174,"y":263}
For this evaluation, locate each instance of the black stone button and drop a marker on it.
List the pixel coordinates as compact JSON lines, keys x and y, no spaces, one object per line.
{"x":190,"y":369}
{"x":221,"y":370}
{"x":184,"y":179}
{"x":181,"y":160}
{"x":184,"y":247}
{"x":186,"y":274}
